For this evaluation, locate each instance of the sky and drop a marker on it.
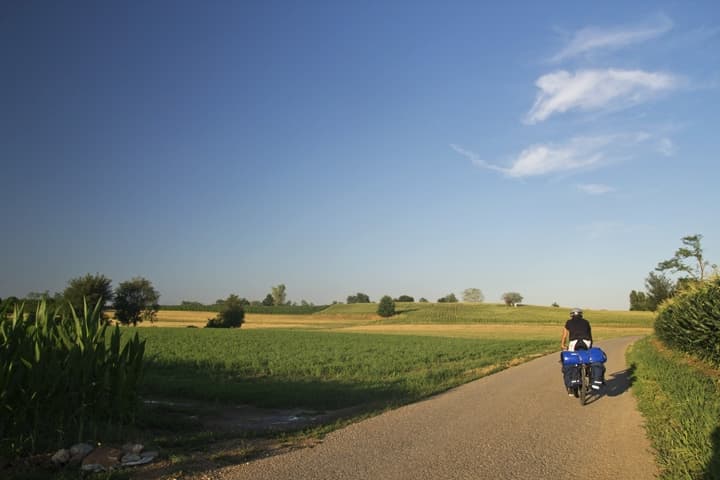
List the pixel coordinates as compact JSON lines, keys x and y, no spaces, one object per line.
{"x":555,"y":149}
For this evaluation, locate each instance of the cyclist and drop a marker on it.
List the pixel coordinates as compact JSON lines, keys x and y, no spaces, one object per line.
{"x":577,"y":330}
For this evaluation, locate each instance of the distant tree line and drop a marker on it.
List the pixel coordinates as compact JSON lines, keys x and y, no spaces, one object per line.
{"x":134,"y":300}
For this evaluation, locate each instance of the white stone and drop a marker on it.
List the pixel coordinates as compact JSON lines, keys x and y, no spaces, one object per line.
{"x":61,"y":457}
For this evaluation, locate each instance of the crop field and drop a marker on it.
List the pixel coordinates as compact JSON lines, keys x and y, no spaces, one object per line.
{"x":347,"y":355}
{"x":283,"y":368}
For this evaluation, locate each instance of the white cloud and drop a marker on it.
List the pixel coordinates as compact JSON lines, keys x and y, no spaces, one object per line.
{"x":595,"y":90}
{"x":577,"y":154}
{"x":595,"y":188}
{"x":591,"y":39}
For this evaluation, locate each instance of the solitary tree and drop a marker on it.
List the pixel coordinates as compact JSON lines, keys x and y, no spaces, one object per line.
{"x":512,"y":298}
{"x":268,"y":301}
{"x":423,"y":300}
{"x":386,"y":307}
{"x":687,"y":259}
{"x":90,"y":289}
{"x":135,"y":301}
{"x":279,"y":294}
{"x":232,"y":314}
{"x":473,"y":295}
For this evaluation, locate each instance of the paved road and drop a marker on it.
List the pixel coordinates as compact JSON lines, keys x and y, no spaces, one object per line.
{"x":517,"y":424}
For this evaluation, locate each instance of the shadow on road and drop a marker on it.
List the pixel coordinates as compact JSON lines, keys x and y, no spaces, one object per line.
{"x":620,"y":382}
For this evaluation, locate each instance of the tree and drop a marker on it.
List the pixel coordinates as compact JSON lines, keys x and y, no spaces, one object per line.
{"x":269,"y":301}
{"x":386,"y":307}
{"x":359,"y":298}
{"x":473,"y":295}
{"x":659,"y":288}
{"x":232,"y":314}
{"x":512,"y":298}
{"x":638,"y":301}
{"x":90,"y":289}
{"x":449,"y":298}
{"x":279,"y":294}
{"x":405,"y":298}
{"x":556,"y":305}
{"x":423,"y":300}
{"x":688,"y":259}
{"x":135,"y":301}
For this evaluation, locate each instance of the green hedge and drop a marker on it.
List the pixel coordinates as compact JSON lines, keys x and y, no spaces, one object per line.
{"x":690,"y":321}
{"x":64,"y":378}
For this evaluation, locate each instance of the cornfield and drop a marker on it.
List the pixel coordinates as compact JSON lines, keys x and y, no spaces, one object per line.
{"x":64,"y":377}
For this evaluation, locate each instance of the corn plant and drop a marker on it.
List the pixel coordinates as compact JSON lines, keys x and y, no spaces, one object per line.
{"x":64,"y":376}
{"x":691,"y":320}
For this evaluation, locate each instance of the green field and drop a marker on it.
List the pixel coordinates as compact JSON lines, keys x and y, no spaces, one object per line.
{"x":346,"y":355}
{"x":317,"y":370}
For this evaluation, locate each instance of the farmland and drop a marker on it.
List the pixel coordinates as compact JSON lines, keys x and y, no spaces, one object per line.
{"x":214,"y":393}
{"x":346,"y":355}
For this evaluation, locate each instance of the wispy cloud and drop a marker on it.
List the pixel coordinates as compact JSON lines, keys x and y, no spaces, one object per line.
{"x":595,"y":188}
{"x":592,"y":39}
{"x":542,"y":159}
{"x":577,"y":154}
{"x":595,"y":90}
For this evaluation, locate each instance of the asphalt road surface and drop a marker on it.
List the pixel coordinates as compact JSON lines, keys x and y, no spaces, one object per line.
{"x":517,"y":424}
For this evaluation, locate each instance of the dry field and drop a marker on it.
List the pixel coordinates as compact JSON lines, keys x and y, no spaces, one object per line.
{"x":373,"y":325}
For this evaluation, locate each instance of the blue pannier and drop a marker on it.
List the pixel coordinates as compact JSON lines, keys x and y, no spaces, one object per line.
{"x":594,"y":355}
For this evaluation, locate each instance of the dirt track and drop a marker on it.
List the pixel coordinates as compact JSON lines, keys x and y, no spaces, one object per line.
{"x":517,"y":424}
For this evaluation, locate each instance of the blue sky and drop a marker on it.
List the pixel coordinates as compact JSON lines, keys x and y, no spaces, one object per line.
{"x":415,"y":148}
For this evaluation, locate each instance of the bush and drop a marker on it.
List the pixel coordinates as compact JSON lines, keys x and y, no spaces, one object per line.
{"x":690,"y":321}
{"x":386,"y":307}
{"x":231,"y":316}
{"x":64,"y":377}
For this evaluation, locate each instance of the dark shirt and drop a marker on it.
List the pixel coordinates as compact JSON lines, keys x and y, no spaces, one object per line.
{"x":579,"y":328}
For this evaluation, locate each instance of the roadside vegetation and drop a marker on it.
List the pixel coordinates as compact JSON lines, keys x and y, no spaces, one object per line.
{"x":677,"y":371}
{"x":680,"y":400}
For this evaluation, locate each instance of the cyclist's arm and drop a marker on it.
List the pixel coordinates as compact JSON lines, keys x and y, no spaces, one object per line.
{"x":565,"y":335}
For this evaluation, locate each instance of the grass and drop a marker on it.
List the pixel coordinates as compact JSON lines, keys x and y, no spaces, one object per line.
{"x":318,"y":370}
{"x":680,"y":400}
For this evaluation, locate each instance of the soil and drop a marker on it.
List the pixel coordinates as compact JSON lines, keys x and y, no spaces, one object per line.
{"x":246,"y":433}
{"x":274,"y":431}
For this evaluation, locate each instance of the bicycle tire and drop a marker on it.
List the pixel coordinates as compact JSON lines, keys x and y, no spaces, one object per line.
{"x":584,"y":384}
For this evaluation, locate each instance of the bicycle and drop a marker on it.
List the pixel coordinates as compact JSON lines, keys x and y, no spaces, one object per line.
{"x":583,"y":389}
{"x":582,"y":361}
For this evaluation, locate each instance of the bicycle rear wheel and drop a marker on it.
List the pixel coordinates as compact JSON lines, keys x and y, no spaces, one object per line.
{"x":584,"y":384}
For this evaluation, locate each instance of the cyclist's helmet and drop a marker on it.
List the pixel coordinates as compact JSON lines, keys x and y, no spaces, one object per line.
{"x":576,"y":311}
